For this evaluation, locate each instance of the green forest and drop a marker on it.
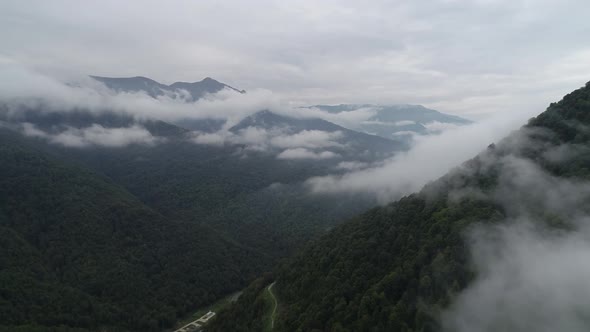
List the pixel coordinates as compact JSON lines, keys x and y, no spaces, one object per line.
{"x":137,"y":237}
{"x":80,"y":251}
{"x":395,"y":268}
{"x":294,"y":166}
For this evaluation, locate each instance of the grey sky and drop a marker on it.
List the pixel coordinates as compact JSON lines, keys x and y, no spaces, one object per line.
{"x":464,"y":57}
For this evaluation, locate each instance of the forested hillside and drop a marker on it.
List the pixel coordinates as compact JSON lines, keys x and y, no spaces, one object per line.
{"x":400,"y":267}
{"x":219,"y":188}
{"x":183,"y":223}
{"x":79,"y":251}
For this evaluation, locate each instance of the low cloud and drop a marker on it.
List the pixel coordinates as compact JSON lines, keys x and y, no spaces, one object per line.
{"x":436,"y":127}
{"x":389,"y":123}
{"x":348,"y":119}
{"x":209,"y":139}
{"x":429,"y":158}
{"x":25,"y":88}
{"x":22,"y":87}
{"x":312,"y":139}
{"x":530,"y":274}
{"x":529,"y":279}
{"x":351,"y":165}
{"x":28,"y":89}
{"x":298,"y":145}
{"x":524,"y":187}
{"x":301,"y":153}
{"x":95,"y":135}
{"x":404,"y":133}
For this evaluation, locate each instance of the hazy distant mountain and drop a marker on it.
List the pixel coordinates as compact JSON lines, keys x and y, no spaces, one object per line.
{"x":396,"y":120}
{"x":196,"y":90}
{"x":350,"y":143}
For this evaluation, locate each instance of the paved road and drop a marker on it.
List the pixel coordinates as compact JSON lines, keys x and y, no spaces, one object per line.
{"x":197,"y":324}
{"x":274,"y":310}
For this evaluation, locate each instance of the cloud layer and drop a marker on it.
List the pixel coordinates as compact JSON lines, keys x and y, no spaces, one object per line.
{"x":95,"y":135}
{"x":302,"y":153}
{"x":528,"y":280}
{"x":463,"y":57}
{"x":532,"y":268}
{"x":429,"y":158}
{"x":24,"y":87}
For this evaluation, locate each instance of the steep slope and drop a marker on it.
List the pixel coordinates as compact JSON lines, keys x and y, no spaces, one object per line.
{"x":399,"y":267}
{"x":78,"y":251}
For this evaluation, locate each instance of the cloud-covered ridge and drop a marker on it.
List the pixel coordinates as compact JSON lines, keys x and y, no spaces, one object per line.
{"x":430,"y":157}
{"x":531,"y":267}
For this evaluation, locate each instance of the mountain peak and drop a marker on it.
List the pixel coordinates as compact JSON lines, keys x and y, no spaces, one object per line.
{"x":155,"y":89}
{"x":209,"y":79}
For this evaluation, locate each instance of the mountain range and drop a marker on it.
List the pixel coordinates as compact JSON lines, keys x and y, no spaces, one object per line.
{"x":113,"y":221}
{"x":195,"y":90}
{"x":388,"y":121}
{"x":396,"y":121}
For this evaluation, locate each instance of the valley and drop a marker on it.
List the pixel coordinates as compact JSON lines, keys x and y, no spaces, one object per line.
{"x":216,"y":215}
{"x":294,"y":166}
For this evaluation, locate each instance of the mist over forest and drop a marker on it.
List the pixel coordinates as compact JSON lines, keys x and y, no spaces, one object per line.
{"x":300,"y":166}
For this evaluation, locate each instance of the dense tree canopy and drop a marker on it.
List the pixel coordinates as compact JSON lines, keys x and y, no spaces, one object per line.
{"x":135,"y":237}
{"x":80,"y":251}
{"x":394,"y":268}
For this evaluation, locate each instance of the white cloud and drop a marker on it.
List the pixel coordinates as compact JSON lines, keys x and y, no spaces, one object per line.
{"x":351,"y":165}
{"x":529,"y":279}
{"x":31,"y":130}
{"x":252,"y":136}
{"x":95,"y":135}
{"x":301,"y":153}
{"x":297,"y":145}
{"x":348,"y":119}
{"x":529,"y":274}
{"x":390,"y":124}
{"x":404,"y":123}
{"x":27,"y":88}
{"x":23,"y":87}
{"x":312,"y":139}
{"x":404,"y":133}
{"x":209,"y":139}
{"x":466,"y":57}
{"x":436,"y":127}
{"x":429,"y":158}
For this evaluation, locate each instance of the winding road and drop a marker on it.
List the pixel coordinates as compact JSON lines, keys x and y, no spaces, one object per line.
{"x":274,"y":310}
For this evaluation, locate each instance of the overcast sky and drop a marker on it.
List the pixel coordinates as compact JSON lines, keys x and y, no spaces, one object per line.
{"x":472,"y":58}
